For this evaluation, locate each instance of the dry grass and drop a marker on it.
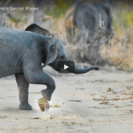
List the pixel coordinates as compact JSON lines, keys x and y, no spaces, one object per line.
{"x":120,"y":52}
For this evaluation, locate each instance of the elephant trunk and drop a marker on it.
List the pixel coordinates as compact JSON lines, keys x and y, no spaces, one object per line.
{"x":84,"y":70}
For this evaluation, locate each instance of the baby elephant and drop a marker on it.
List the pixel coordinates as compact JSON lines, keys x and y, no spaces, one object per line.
{"x":22,"y":54}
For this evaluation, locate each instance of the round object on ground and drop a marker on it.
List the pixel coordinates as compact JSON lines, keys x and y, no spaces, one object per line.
{"x":43,"y":104}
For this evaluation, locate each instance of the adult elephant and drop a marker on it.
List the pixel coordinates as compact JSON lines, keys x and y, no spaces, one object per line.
{"x":87,"y":18}
{"x":22,"y":54}
{"x":80,"y":18}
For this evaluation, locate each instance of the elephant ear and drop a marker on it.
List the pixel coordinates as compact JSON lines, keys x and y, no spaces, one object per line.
{"x":37,"y":29}
{"x":50,"y":51}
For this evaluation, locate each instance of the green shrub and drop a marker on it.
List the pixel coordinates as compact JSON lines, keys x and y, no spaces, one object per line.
{"x":60,"y":9}
{"x":129,"y":18}
{"x":122,"y":20}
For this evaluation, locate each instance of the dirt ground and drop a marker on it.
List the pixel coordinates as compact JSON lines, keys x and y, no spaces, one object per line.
{"x":96,"y":102}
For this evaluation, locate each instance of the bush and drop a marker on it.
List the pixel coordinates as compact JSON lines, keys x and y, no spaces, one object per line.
{"x":60,"y":9}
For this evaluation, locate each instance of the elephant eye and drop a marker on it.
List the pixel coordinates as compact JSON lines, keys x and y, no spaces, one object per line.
{"x":61,"y":57}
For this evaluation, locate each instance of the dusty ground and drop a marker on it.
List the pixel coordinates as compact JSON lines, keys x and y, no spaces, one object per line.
{"x":96,"y":102}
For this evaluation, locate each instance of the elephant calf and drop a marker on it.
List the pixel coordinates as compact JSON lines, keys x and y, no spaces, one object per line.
{"x":22,"y":54}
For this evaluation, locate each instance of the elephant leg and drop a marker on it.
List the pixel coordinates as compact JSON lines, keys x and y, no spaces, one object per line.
{"x":34,"y":73}
{"x":47,"y":93}
{"x":40,"y":77}
{"x":23,"y":86}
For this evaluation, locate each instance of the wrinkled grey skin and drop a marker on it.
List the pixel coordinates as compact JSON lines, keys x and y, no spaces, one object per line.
{"x":88,"y":16}
{"x":22,"y":54}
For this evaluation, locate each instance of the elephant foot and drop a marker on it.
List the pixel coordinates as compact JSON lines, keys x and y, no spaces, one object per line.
{"x":46,"y":94}
{"x":25,"y":106}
